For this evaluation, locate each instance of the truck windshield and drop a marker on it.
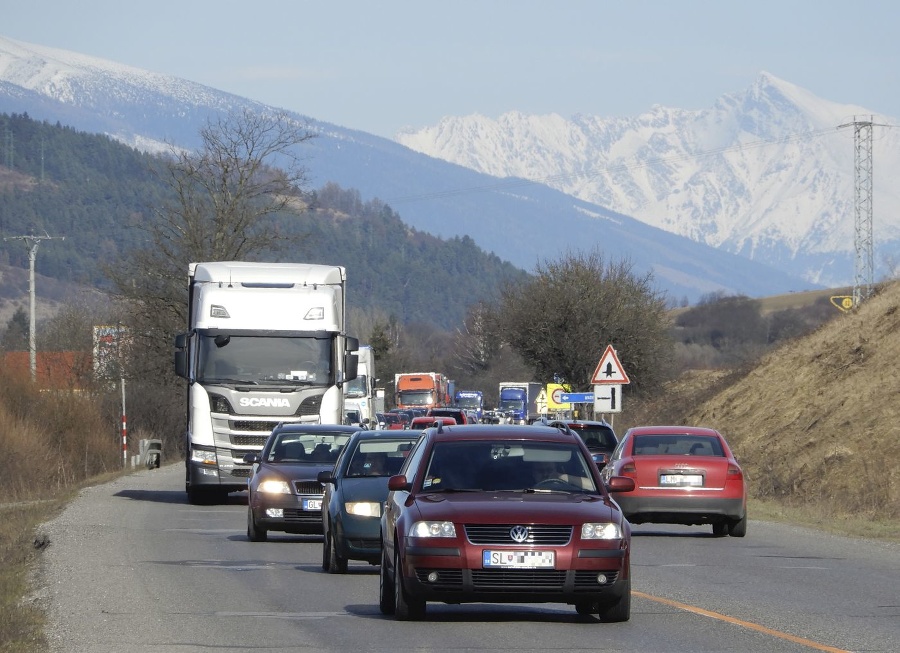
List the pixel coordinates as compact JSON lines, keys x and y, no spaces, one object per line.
{"x":416,"y":398}
{"x":265,"y":359}
{"x":469,"y":402}
{"x":511,"y":404}
{"x":356,"y":387}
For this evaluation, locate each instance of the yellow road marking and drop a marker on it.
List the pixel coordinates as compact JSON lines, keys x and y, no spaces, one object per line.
{"x":740,"y":622}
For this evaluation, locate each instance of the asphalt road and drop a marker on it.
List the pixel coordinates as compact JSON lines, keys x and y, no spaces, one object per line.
{"x":131,"y":566}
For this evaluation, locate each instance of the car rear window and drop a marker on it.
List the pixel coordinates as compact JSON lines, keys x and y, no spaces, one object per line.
{"x":679,"y":445}
{"x":596,"y":437}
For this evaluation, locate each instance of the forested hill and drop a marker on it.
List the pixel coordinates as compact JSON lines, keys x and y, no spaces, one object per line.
{"x":95,"y":192}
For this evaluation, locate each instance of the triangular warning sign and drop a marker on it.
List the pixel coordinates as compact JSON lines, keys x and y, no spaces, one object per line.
{"x":610,"y":369}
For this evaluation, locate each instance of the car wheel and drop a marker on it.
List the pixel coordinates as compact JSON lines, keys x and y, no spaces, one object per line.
{"x":620,"y":610}
{"x":720,"y":528}
{"x":738,"y":528}
{"x":254,"y":532}
{"x":336,"y":564}
{"x":405,"y":609}
{"x":385,"y":588}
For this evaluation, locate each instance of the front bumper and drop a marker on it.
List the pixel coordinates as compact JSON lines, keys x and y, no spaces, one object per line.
{"x":294,"y":518}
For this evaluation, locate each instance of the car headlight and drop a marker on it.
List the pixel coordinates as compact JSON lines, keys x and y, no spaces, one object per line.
{"x":363,"y":508}
{"x":601,"y":531}
{"x":274,"y":486}
{"x":433,"y":529}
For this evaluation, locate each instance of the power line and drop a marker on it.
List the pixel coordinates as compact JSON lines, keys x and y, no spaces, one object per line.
{"x":33,"y":242}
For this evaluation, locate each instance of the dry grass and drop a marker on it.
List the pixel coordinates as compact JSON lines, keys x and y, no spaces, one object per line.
{"x":814,"y":423}
{"x":52,"y":443}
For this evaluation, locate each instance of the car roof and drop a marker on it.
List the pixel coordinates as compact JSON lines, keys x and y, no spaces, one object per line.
{"x":672,"y":430}
{"x":501,"y":431}
{"x":316,"y":428}
{"x":392,"y":434}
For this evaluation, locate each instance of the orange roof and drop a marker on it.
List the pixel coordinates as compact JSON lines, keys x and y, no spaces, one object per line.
{"x":54,"y":370}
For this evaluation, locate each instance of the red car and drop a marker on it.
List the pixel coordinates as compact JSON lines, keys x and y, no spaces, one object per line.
{"x":504,"y":514}
{"x":683,"y":475}
{"x":426,"y":421}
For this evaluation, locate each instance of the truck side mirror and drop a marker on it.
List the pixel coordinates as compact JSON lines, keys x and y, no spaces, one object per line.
{"x":181,"y":359}
{"x":351,"y":367}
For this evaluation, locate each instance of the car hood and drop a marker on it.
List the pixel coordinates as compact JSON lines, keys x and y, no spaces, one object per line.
{"x":365,"y":489}
{"x":294,"y":471}
{"x":506,"y":507}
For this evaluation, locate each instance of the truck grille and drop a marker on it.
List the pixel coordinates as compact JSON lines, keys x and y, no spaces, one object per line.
{"x":249,"y":440}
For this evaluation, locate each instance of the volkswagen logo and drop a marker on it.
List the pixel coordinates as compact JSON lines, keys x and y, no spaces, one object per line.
{"x":518,"y":533}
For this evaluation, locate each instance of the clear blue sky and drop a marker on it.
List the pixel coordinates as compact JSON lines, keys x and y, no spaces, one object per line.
{"x":383,"y":66}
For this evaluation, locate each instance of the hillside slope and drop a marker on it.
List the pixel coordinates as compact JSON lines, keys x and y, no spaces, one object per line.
{"x":817,"y":420}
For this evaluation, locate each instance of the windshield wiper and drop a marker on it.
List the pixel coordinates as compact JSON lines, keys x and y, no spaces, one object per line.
{"x":216,"y":379}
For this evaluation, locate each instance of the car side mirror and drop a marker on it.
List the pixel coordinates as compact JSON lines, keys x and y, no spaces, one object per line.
{"x":620,"y":484}
{"x":252,"y":458}
{"x":325,"y":477}
{"x":398,"y":483}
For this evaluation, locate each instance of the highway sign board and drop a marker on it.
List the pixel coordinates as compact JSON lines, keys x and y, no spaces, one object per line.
{"x":576,"y":398}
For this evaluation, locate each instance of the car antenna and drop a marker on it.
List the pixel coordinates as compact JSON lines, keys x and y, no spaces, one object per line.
{"x":440,"y":426}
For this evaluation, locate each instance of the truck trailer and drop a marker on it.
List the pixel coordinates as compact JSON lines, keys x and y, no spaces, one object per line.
{"x":266,"y":343}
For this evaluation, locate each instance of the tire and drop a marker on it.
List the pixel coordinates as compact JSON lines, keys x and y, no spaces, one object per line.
{"x":198,"y":496}
{"x":405,"y":609}
{"x":336,"y":564}
{"x":385,"y":588}
{"x":738,"y":528}
{"x":620,"y":610}
{"x":254,"y":532}
{"x":720,"y":528}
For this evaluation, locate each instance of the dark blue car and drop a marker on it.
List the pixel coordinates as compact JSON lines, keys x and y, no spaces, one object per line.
{"x":355,"y":492}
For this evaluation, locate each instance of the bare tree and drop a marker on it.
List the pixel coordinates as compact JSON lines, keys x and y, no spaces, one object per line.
{"x":563,"y":319}
{"x":222,"y":204}
{"x":478,"y":341}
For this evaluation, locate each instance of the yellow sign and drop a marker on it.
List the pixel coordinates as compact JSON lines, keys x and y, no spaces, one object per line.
{"x":553,"y":392}
{"x":843,"y":302}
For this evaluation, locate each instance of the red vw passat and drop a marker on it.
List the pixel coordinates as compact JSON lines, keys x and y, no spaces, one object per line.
{"x":683,"y":475}
{"x":505,"y":514}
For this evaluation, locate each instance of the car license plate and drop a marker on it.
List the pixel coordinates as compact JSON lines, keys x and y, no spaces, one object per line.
{"x":312,"y":504}
{"x":518,"y":559}
{"x":681,"y":480}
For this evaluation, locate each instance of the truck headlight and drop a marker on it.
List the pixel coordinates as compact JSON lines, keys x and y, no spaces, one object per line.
{"x":203,"y":456}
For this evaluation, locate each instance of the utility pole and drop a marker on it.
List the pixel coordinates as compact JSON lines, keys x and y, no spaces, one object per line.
{"x":33,"y":242}
{"x":863,"y":190}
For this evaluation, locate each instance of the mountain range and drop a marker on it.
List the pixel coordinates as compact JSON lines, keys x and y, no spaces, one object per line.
{"x":767,"y":173}
{"x":522,"y":220}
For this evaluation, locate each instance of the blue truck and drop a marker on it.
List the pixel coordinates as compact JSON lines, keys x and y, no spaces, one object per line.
{"x":518,"y":402}
{"x":470,"y":400}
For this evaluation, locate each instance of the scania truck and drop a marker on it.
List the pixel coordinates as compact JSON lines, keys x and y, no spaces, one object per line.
{"x":266,"y":343}
{"x":470,"y":400}
{"x":518,"y":402}
{"x":421,"y":390}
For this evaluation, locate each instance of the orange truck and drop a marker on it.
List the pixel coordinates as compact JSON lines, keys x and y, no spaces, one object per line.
{"x":421,"y":390}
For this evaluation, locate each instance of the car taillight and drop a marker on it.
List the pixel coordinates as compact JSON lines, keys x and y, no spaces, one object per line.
{"x":734,"y":473}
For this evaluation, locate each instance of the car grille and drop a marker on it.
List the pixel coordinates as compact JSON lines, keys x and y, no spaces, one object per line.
{"x":537,"y":534}
{"x":520,"y":580}
{"x":309,"y":487}
{"x":295,"y":516}
{"x":514,"y":580}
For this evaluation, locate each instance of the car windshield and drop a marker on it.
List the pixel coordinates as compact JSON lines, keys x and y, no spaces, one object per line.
{"x":508,"y":466}
{"x":319,"y":448}
{"x":677,"y":444}
{"x":380,"y":457}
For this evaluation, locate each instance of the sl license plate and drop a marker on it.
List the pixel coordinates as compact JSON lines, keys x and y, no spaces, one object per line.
{"x":518,"y":559}
{"x":681,"y":480}
{"x":312,"y":504}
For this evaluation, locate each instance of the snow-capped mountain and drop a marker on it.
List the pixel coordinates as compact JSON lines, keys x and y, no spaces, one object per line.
{"x":520,"y":221}
{"x":767,"y":173}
